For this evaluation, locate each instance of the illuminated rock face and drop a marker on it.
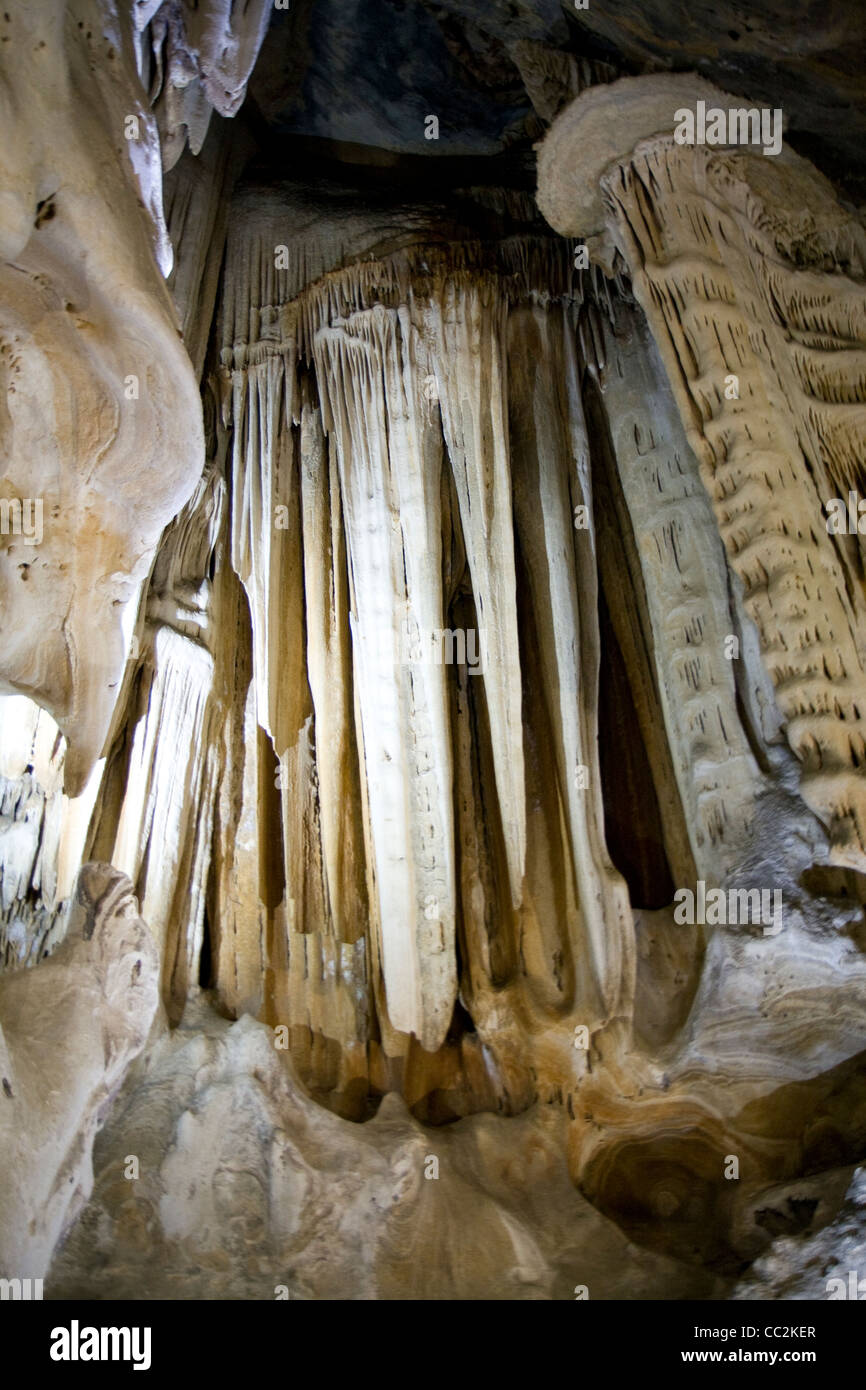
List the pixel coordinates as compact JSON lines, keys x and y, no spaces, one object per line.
{"x":467,"y":685}
{"x":751,"y":277}
{"x":385,"y":476}
{"x":100,"y":415}
{"x":88,"y":1008}
{"x":772,"y":405}
{"x":101,"y":420}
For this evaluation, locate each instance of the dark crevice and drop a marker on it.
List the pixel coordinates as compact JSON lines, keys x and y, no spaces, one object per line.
{"x":205,"y":960}
{"x":633,"y":828}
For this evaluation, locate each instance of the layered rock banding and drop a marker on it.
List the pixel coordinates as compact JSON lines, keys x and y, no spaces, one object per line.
{"x":772,"y":406}
{"x":478,"y":611}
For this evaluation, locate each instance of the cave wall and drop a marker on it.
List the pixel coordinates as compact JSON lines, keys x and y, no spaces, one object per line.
{"x":431,"y":614}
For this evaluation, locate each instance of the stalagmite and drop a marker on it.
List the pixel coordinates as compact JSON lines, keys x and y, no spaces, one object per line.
{"x":89,"y":1008}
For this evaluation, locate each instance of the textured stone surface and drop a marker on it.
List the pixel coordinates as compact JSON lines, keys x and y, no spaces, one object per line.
{"x":494,"y":623}
{"x":803,"y":1267}
{"x":195,"y":58}
{"x":68,"y":1031}
{"x":773,"y":408}
{"x":369,"y":74}
{"x":247,"y":1185}
{"x":101,"y":421}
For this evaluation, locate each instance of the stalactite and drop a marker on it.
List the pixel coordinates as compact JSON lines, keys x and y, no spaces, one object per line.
{"x":153,"y":814}
{"x":410,"y":361}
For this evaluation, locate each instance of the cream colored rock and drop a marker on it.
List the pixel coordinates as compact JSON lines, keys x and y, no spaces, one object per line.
{"x":494,"y":619}
{"x":152,"y":815}
{"x":68,"y":1031}
{"x":772,"y":406}
{"x":196,"y":58}
{"x":413,"y":385}
{"x":248,"y":1189}
{"x":101,"y":424}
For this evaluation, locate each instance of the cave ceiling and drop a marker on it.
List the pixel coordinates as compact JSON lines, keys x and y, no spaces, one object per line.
{"x":367,"y":74}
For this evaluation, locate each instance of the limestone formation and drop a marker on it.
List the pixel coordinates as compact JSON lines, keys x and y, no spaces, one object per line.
{"x":272,"y":1197}
{"x":827,"y":1264}
{"x":99,"y":392}
{"x":432,"y":810}
{"x":194,"y":59}
{"x":80,"y":1017}
{"x":772,"y":405}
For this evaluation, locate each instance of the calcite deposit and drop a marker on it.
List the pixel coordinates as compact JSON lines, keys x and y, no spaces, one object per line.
{"x":69,"y":1032}
{"x":432,"y":795}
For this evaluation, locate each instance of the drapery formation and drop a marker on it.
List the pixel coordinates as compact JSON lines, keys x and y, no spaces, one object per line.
{"x":409,"y":802}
